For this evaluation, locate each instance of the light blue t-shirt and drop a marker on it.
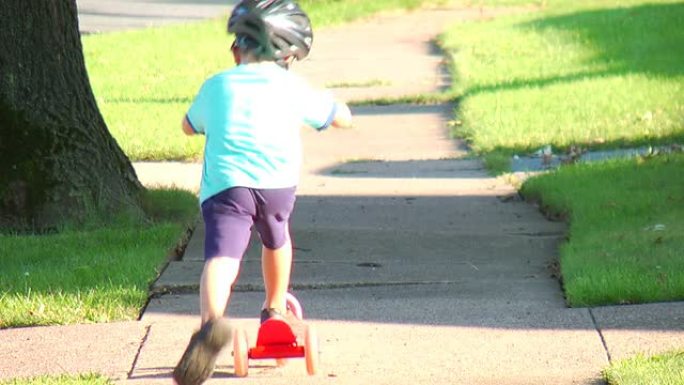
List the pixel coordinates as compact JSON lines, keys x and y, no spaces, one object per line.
{"x":252,"y":115}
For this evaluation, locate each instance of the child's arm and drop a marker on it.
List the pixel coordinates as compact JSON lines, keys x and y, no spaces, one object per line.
{"x":343,"y":116}
{"x":187,"y":127}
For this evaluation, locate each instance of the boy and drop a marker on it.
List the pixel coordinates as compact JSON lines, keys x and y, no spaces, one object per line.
{"x":251,"y":116}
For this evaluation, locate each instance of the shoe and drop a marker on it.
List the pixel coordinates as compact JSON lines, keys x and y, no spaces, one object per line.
{"x":267,"y":314}
{"x":199,"y":359}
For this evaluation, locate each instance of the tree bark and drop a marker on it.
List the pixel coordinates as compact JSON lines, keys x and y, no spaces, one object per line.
{"x":58,"y":161}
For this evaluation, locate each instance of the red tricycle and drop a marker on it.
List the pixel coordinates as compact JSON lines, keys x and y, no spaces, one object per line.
{"x":277,"y":340}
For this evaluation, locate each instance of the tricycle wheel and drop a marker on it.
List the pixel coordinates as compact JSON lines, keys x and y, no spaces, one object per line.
{"x":240,"y":352}
{"x":311,"y":353}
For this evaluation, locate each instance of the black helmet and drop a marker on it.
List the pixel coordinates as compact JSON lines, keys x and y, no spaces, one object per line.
{"x":273,"y":29}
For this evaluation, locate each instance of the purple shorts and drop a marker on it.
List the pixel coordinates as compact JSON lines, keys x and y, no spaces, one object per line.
{"x":230,"y":214}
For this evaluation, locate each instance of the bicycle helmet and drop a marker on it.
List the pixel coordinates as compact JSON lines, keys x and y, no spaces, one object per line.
{"x":273,"y":29}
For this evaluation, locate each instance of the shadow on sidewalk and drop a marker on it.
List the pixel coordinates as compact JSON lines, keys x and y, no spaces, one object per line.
{"x":465,"y":261}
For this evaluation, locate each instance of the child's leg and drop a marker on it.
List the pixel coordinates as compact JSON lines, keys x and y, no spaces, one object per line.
{"x":276,"y":265}
{"x":218,"y":277}
{"x":228,"y":219}
{"x":198,"y":361}
{"x":275,"y":208}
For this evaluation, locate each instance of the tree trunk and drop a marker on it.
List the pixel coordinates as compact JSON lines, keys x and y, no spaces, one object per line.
{"x":58,"y":161}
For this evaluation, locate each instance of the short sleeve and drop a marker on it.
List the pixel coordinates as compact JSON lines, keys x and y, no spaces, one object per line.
{"x":197,"y":114}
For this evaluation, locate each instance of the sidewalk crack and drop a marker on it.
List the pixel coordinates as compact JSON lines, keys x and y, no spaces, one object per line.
{"x":600,"y":333}
{"x":137,"y":354}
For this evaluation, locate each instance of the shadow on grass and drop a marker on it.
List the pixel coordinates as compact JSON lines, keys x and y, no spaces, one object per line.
{"x":642,"y":40}
{"x":645,"y":39}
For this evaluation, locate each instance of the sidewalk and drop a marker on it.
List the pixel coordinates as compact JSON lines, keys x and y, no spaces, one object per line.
{"x":413,"y":263}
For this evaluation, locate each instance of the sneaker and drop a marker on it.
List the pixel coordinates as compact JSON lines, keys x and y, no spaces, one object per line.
{"x":267,"y":314}
{"x":199,"y":359}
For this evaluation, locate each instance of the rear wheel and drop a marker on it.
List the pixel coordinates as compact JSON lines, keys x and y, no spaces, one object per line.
{"x":240,"y":352}
{"x":311,"y":353}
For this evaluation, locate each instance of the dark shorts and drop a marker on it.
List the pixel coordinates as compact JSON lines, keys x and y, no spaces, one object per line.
{"x":230,"y":214}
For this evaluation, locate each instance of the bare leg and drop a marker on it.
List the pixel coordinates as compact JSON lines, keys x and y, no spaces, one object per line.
{"x":198,"y":361}
{"x":276,"y":265}
{"x":218,"y":277}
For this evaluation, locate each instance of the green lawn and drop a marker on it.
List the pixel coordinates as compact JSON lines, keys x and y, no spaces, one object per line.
{"x":92,"y":274}
{"x":662,"y":369}
{"x":588,"y":73}
{"x":626,"y":231}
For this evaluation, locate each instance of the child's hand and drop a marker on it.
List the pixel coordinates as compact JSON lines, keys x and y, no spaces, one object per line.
{"x":343,"y":116}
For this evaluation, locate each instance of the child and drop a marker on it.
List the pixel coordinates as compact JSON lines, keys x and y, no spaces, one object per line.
{"x":251,"y":116}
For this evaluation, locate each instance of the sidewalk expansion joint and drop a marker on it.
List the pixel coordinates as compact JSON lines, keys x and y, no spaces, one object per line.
{"x":245,"y":288}
{"x":148,"y":328}
{"x":600,"y":333}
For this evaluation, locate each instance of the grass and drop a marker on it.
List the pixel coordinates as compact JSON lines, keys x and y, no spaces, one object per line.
{"x":145,"y":80}
{"x":84,"y":379}
{"x":662,"y":369}
{"x":626,"y":232}
{"x":92,"y":274}
{"x":588,"y":73}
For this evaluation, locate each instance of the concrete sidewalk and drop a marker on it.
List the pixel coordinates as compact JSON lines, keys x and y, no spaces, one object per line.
{"x":413,"y":263}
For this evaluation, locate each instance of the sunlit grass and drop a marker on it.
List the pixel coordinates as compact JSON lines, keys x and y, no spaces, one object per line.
{"x":91,"y":274}
{"x":661,"y":369}
{"x":588,"y":73}
{"x":626,"y":230}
